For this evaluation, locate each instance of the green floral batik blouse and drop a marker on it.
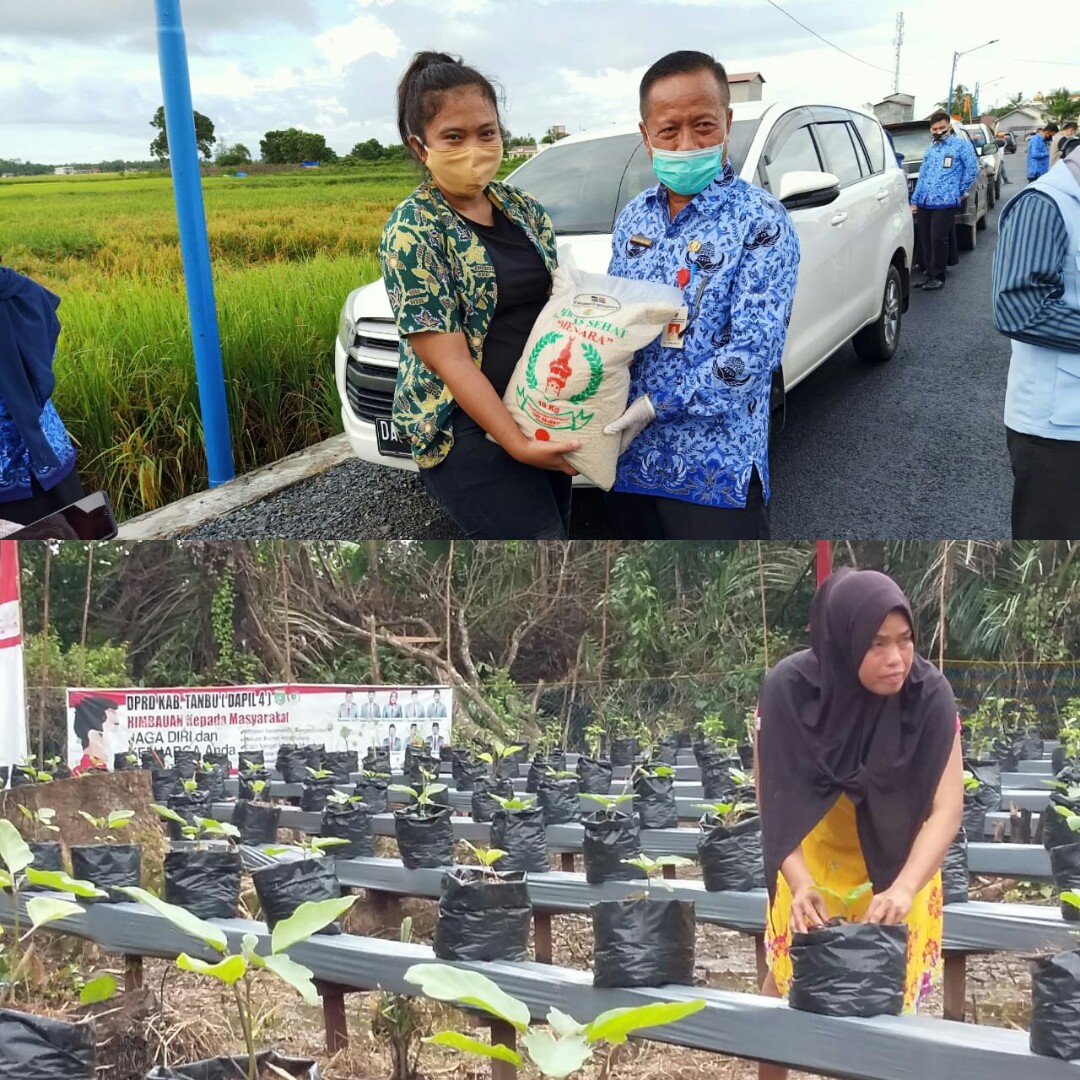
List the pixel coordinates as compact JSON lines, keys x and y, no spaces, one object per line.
{"x":439,"y":278}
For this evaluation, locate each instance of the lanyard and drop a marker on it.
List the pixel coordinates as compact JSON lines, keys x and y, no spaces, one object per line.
{"x":693,"y":308}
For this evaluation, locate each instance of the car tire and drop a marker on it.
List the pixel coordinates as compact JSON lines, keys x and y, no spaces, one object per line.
{"x":990,"y":197}
{"x":997,"y":188}
{"x":878,"y":342}
{"x":981,"y":222}
{"x":965,"y":237}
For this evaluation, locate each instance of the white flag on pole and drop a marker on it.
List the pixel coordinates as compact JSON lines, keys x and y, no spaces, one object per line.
{"x":13,"y":747}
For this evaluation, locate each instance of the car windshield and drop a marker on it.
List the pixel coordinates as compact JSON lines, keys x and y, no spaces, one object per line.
{"x":912,"y":143}
{"x":584,"y":185}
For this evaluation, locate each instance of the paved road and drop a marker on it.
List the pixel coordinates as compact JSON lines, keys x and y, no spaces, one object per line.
{"x":912,"y":449}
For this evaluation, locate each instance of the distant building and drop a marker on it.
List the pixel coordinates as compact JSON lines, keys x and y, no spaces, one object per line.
{"x":558,"y":132}
{"x":895,"y":109}
{"x":64,"y":170}
{"x":1021,"y":122}
{"x":527,"y":150}
{"x":746,"y":86}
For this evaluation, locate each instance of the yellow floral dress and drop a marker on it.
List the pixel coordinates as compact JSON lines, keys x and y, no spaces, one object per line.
{"x":835,"y":860}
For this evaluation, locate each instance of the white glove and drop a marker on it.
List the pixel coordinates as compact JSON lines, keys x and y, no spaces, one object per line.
{"x":638,"y":416}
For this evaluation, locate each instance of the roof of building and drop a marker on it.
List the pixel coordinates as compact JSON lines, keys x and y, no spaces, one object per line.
{"x":746,"y":76}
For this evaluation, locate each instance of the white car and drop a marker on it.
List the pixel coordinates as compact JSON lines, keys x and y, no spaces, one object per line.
{"x":991,"y":158}
{"x":832,"y":168}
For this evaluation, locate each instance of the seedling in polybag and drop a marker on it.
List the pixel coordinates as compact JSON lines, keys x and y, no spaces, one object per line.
{"x":594,"y":738}
{"x":30,"y":770}
{"x":424,"y":798}
{"x":1072,"y":793}
{"x":497,"y":754}
{"x":517,"y":802}
{"x":846,"y":902}
{"x":199,"y":830}
{"x":257,"y":787}
{"x":653,"y":771}
{"x":107,"y":827}
{"x":654,"y":868}
{"x":728,"y":813}
{"x":486,"y":857}
{"x":342,"y":799}
{"x":235,"y":969}
{"x":318,"y":774}
{"x":369,"y":774}
{"x":609,"y":803}
{"x":971,"y":781}
{"x":561,"y":1051}
{"x":313,"y":847}
{"x":1071,"y":819}
{"x":551,"y":773}
{"x":18,"y":872}
{"x":40,"y":821}
{"x":250,"y":766}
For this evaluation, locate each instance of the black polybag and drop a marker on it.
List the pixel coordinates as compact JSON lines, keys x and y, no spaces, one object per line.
{"x":655,"y":802}
{"x":292,"y":763}
{"x":639,"y":942}
{"x":484,"y":790}
{"x":988,"y":795}
{"x":1060,"y":760}
{"x":189,"y":805}
{"x":247,"y":778}
{"x":257,"y":822}
{"x":854,"y":969}
{"x":350,"y":822}
{"x":373,"y":791}
{"x":608,"y":840}
{"x":23,"y":776}
{"x":282,"y":888}
{"x":107,"y":866}
{"x":218,"y":758}
{"x":153,"y":759}
{"x":955,"y":877}
{"x":538,"y":771}
{"x":418,"y":766}
{"x":252,"y":758}
{"x":377,"y":759}
{"x":469,"y":772}
{"x":667,"y":751}
{"x":459,"y":756}
{"x":560,"y":800}
{"x":206,"y":883}
{"x":483,"y":916}
{"x":185,"y":762}
{"x":48,"y":855}
{"x":165,"y":782}
{"x":39,"y":1048}
{"x":125,"y":762}
{"x":315,"y":791}
{"x":730,"y":857}
{"x":1065,"y":866}
{"x":1055,"y":1006}
{"x":424,"y":840}
{"x":341,"y":764}
{"x":1029,"y":747}
{"x":716,"y":781}
{"x":623,"y":751}
{"x":212,"y":781}
{"x":236,"y":1068}
{"x":1055,"y":826}
{"x":746,"y":756}
{"x":522,"y":835}
{"x":594,"y":776}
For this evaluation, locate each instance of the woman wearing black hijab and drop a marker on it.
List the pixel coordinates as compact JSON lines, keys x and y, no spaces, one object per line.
{"x":859,"y":777}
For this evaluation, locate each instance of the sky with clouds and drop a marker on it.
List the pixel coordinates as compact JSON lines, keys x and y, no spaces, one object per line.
{"x":79,"y":79}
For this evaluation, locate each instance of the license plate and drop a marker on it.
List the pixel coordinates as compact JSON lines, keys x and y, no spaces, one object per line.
{"x":387,"y":440}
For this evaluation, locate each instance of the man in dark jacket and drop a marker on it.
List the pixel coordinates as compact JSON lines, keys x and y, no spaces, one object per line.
{"x":37,"y":460}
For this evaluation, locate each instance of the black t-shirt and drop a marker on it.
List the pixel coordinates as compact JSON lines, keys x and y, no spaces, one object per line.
{"x":523,"y":283}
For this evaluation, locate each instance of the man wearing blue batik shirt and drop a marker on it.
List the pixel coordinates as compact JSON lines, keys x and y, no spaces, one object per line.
{"x":695,"y":437}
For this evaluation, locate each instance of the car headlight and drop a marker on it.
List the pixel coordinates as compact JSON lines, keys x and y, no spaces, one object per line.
{"x":346,"y":329}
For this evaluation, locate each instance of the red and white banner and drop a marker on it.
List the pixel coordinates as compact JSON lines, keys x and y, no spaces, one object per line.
{"x":13,"y":748}
{"x":232,"y":719}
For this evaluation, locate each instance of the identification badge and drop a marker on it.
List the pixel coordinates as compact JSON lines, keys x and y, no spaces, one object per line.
{"x":676,"y":329}
{"x":948,"y":161}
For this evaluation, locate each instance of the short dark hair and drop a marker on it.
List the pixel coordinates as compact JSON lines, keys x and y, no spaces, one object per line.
{"x":1068,"y":124}
{"x":1052,"y":128}
{"x":90,"y":716}
{"x":421,"y":90}
{"x":938,"y":115}
{"x":684,"y":62}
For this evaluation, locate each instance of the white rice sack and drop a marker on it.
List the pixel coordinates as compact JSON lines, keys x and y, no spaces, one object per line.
{"x":574,"y":377}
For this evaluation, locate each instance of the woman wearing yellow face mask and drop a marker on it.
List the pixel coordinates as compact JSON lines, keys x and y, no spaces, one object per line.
{"x":467,"y":263}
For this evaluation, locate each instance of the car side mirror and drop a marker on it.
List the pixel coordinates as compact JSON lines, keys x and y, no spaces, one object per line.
{"x":808,"y":190}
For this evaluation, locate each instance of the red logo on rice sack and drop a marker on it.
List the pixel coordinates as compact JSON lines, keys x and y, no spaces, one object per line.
{"x":555,"y":407}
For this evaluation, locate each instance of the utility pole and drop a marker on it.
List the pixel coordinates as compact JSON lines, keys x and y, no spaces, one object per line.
{"x":898,"y":41}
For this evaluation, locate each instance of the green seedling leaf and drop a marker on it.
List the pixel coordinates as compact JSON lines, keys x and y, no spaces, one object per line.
{"x":278,"y":850}
{"x":556,"y":1057}
{"x":119,"y":818}
{"x":616,"y":1024}
{"x":563,"y":1023}
{"x":229,"y":970}
{"x":181,"y":919}
{"x":320,"y":843}
{"x":309,"y":918}
{"x":47,"y":909}
{"x":456,"y":1041}
{"x":60,"y":881}
{"x":1073,"y":821}
{"x":673,"y":860}
{"x":248,"y":944}
{"x":97,"y":822}
{"x":14,"y":850}
{"x":1071,"y":898}
{"x":296,"y":975}
{"x":404,"y":789}
{"x":434,"y":789}
{"x":5,"y":880}
{"x":486,"y":757}
{"x":445,"y":983}
{"x":168,"y":814}
{"x":220,"y":828}
{"x":98,"y":990}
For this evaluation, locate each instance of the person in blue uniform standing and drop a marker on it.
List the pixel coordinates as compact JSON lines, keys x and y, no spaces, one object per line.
{"x":1038,"y":154}
{"x":37,"y":459}
{"x":694,"y":460}
{"x":948,"y":169}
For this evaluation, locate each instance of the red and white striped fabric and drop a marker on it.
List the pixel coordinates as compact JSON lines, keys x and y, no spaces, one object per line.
{"x":13,"y":746}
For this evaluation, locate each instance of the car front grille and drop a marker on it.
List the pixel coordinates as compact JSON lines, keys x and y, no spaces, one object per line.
{"x":369,"y":379}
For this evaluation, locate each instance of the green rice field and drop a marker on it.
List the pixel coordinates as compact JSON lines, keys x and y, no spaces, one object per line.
{"x":287,"y":249}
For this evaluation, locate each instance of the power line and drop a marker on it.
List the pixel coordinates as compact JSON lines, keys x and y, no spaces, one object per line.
{"x":831,"y":45}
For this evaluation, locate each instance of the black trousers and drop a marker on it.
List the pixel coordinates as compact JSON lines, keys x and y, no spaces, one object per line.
{"x":1044,"y":505}
{"x":42,"y":503}
{"x":490,"y":496}
{"x":653,"y":517}
{"x":933,"y":230}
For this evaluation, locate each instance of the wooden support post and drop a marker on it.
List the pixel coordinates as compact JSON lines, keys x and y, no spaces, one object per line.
{"x":506,"y":1034}
{"x":133,"y":973}
{"x":759,"y":958}
{"x":388,"y":905}
{"x":669,"y":873}
{"x":567,"y":861}
{"x":334,"y":1019}
{"x":542,"y":936}
{"x":955,"y":985}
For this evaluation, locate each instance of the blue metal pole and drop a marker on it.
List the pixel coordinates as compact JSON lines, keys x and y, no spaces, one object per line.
{"x":194,"y":243}
{"x":952,"y":81}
